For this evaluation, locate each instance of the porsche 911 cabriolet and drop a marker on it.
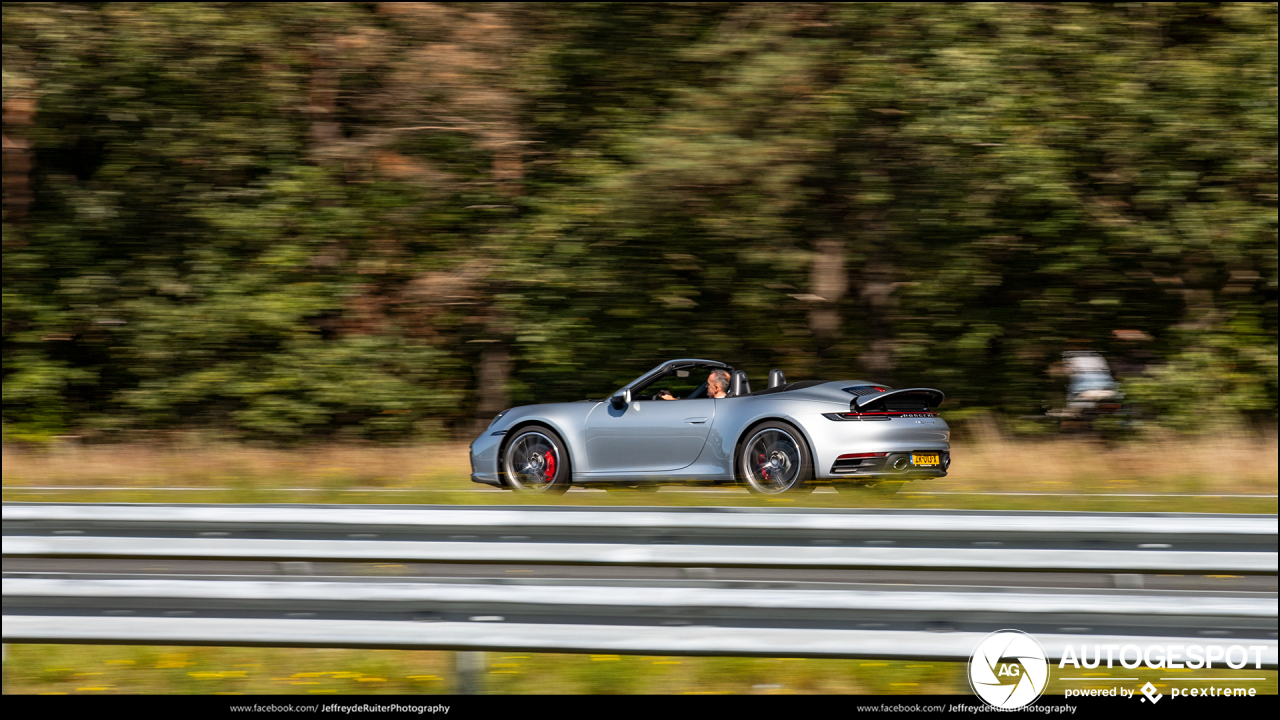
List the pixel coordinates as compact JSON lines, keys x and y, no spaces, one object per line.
{"x":698,"y":422}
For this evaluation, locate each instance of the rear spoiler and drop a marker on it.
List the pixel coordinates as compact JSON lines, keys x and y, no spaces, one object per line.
{"x":932,"y":398}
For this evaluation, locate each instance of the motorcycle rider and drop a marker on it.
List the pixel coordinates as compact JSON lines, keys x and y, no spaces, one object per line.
{"x":1091,"y":381}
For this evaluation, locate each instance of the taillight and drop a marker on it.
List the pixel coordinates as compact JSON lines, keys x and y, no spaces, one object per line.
{"x":851,"y":456}
{"x":844,"y":416}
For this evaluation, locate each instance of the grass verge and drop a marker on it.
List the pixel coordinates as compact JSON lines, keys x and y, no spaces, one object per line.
{"x":1225,"y":473}
{"x":102,"y":669}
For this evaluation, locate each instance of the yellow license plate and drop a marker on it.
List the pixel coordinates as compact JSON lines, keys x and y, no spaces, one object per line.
{"x":918,"y":459}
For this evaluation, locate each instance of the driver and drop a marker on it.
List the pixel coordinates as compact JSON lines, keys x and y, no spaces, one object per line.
{"x":717,"y":386}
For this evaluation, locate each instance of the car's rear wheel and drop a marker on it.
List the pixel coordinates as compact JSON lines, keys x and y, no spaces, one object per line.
{"x":774,"y":459}
{"x":536,"y":461}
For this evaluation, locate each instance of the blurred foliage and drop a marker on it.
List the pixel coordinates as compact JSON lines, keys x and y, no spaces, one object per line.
{"x":1219,"y":380}
{"x":391,"y":220}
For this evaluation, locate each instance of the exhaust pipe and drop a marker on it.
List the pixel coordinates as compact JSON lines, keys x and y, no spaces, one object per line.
{"x":901,"y":463}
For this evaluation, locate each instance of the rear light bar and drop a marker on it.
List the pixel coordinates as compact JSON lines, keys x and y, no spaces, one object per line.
{"x":877,"y":415}
{"x":851,"y":456}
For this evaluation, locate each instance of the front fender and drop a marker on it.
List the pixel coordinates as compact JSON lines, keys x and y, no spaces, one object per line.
{"x":566,"y":419}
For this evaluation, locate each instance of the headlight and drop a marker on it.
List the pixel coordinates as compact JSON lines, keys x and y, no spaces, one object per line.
{"x":498,"y":417}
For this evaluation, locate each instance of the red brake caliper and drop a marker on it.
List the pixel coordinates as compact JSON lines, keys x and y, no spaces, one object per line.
{"x":764,"y":471}
{"x":551,"y":467}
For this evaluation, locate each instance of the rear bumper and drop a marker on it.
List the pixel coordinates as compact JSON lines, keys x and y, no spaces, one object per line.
{"x":893,"y":464}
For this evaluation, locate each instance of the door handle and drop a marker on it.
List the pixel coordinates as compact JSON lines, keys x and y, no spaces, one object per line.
{"x":695,"y":421}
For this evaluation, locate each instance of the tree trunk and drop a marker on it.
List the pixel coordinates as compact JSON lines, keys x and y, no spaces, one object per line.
{"x":19,"y":161}
{"x":508,"y":171}
{"x":322,"y":100}
{"x":876,"y":294}
{"x":492,"y":377}
{"x":829,"y":282}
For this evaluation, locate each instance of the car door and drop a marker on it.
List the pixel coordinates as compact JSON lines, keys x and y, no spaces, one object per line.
{"x":647,"y":436}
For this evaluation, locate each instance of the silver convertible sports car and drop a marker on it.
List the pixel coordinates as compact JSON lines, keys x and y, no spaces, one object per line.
{"x":698,"y":422}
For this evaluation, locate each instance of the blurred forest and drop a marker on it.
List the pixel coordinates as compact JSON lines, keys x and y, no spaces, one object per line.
{"x":393,"y":220}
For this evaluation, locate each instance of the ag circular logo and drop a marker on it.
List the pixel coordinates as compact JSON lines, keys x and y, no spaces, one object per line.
{"x":1008,"y":669}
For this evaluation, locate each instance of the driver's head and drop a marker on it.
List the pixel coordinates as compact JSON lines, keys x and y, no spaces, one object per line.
{"x":717,"y":382}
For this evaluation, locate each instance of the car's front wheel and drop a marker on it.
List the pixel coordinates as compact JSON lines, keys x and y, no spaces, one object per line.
{"x":774,"y":459}
{"x":535,"y":461}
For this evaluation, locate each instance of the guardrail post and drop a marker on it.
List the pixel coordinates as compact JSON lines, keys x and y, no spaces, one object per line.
{"x":1127,"y":581}
{"x":469,"y":672}
{"x":294,"y":567}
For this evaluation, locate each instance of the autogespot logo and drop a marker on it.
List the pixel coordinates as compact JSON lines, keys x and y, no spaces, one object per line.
{"x":1008,"y":669}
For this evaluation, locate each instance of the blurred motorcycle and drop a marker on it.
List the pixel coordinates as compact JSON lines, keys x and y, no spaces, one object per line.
{"x":1094,"y":400}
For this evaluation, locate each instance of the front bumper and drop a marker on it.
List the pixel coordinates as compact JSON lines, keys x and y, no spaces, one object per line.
{"x":484,"y":459}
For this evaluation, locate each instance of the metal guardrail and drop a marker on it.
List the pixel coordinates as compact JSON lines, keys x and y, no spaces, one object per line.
{"x":733,"y":603}
{"x":716,"y":537}
{"x":522,"y":637}
{"x":611,"y":522}
{"x":742,"y":620}
{"x":1112,"y":561}
{"x":723,"y":618}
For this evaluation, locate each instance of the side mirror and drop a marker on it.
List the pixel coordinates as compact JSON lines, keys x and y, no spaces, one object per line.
{"x":776,"y":378}
{"x":622,"y":399}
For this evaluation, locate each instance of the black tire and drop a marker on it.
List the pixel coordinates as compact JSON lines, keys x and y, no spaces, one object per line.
{"x":773,"y":458}
{"x":536,"y":461}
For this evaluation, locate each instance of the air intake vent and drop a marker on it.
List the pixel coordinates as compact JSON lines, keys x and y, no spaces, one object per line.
{"x":907,"y":405}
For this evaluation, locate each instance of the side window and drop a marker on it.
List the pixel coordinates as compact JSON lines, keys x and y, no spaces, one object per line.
{"x":654,"y":389}
{"x":682,"y":384}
